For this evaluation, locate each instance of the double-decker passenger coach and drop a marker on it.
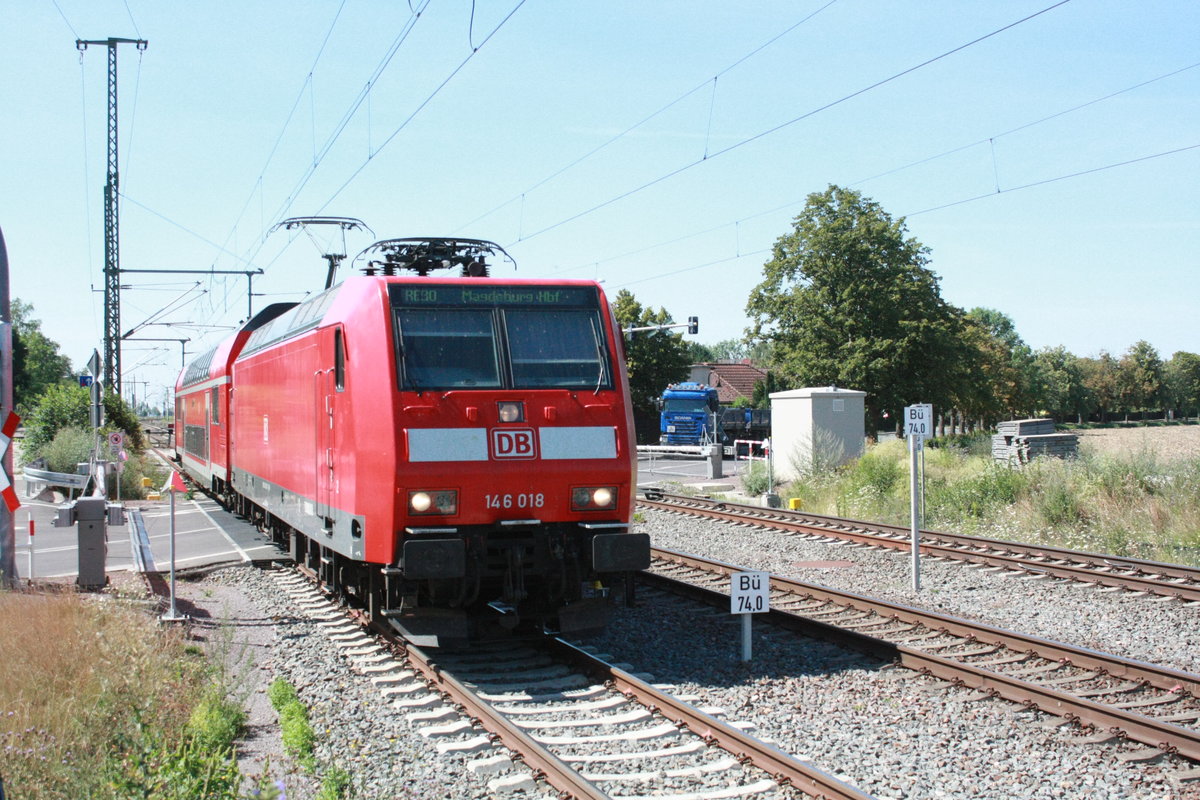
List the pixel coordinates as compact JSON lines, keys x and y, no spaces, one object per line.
{"x":456,"y":452}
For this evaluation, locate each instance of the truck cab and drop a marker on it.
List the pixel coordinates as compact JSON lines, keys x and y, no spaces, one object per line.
{"x":689,"y":415}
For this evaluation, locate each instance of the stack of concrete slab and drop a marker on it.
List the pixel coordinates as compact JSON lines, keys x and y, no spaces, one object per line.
{"x":1022,"y":440}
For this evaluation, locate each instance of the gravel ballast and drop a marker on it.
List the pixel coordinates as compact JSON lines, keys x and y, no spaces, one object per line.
{"x":892,"y":733}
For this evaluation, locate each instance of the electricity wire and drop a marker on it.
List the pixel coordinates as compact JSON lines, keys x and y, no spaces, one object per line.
{"x":909,"y":165}
{"x":793,"y":121}
{"x":422,"y":105}
{"x":651,"y":116}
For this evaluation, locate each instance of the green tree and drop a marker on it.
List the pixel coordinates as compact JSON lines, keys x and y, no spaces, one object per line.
{"x":846,"y":299}
{"x":1183,"y":383}
{"x":37,"y":364}
{"x":1012,"y":373}
{"x":1062,"y":390}
{"x":700,"y":353}
{"x":1140,"y":378}
{"x":66,"y":405}
{"x":1101,"y":379}
{"x":654,"y":359}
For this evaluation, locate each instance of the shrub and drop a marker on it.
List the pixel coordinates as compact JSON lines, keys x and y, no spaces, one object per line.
{"x":70,"y":447}
{"x":756,"y":480}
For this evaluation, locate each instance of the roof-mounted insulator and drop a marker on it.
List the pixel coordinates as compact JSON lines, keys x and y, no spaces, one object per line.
{"x":422,"y":256}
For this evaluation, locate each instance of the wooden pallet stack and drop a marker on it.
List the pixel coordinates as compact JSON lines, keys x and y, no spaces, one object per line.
{"x":1019,"y":441}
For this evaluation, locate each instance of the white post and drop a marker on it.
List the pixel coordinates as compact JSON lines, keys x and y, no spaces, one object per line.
{"x":746,"y":636}
{"x":914,"y":443}
{"x":30,"y":518}
{"x":173,"y":615}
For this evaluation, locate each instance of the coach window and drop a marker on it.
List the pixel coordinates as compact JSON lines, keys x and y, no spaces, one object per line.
{"x":339,"y":361}
{"x":216,"y":405}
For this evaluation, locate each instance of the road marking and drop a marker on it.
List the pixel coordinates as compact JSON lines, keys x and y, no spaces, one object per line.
{"x":245,"y":556}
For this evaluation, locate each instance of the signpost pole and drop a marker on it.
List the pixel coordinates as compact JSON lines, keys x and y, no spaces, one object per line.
{"x":918,"y":426}
{"x":914,"y":511}
{"x":174,"y":484}
{"x":749,"y":594}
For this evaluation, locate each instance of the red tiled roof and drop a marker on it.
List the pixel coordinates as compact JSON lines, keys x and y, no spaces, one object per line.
{"x":733,"y":380}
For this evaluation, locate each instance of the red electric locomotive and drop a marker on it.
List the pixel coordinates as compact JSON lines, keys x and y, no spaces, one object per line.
{"x":457,"y":453}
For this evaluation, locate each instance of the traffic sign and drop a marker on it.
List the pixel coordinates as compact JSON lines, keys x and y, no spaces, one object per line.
{"x":750,"y":593}
{"x":116,"y":439}
{"x":6,"y":488}
{"x":918,"y":421}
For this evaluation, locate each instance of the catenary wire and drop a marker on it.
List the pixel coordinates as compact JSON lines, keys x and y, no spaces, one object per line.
{"x":652,"y":115}
{"x":909,"y":165}
{"x":421,"y":106}
{"x":793,"y":121}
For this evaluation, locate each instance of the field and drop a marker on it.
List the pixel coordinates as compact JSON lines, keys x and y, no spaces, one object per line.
{"x":1168,"y":443}
{"x":1132,"y":491}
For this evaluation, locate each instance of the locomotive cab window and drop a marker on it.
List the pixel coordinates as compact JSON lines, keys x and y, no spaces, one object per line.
{"x":492,"y":337}
{"x":556,"y":348}
{"x":448,"y":349}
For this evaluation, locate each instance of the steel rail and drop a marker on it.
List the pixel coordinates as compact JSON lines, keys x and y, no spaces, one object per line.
{"x":785,"y":769}
{"x":1148,"y":730}
{"x":538,"y":758}
{"x":870,"y":534}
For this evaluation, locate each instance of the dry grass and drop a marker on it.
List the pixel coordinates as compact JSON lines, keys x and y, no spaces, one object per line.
{"x":81,"y":679}
{"x":1131,"y":492}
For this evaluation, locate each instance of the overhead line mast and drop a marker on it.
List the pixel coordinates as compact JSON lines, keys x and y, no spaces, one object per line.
{"x":112,"y":268}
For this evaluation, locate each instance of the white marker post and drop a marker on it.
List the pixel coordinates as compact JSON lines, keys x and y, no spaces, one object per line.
{"x":749,"y":593}
{"x":31,"y":549}
{"x":175,"y":484}
{"x":918,"y":425}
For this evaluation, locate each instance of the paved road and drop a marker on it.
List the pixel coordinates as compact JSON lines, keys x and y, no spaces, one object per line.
{"x":657,"y":470}
{"x":204,"y":533}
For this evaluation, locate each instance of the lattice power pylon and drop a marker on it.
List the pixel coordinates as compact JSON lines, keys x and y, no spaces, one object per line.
{"x":112,"y":258}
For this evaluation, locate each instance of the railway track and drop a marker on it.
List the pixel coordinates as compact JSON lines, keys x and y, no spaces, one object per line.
{"x":579,"y":725}
{"x":1163,"y":581}
{"x":1153,"y":705}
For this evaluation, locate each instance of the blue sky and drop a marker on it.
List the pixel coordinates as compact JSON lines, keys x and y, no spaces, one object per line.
{"x":659,"y":147}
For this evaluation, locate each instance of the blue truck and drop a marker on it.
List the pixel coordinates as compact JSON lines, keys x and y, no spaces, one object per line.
{"x":690,"y":415}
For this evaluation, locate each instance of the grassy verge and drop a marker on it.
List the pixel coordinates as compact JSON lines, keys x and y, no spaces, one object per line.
{"x":97,"y":703}
{"x":1133,"y":505}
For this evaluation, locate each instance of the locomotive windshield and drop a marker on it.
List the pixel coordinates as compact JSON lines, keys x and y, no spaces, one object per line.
{"x":519,"y":337}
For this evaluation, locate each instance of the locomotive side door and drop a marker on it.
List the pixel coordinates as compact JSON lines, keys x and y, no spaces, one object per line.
{"x":330,"y":382}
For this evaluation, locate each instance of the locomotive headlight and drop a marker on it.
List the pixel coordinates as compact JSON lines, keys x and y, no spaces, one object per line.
{"x":443,"y":502}
{"x":511,"y":411}
{"x":594,"y":498}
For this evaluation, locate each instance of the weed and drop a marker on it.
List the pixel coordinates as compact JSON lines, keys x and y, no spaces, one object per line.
{"x":298,"y":735}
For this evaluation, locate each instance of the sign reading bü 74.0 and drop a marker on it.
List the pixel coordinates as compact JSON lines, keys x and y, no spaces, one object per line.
{"x":918,"y":421}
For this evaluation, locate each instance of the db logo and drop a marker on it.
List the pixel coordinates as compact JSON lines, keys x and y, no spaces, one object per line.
{"x":513,"y":443}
